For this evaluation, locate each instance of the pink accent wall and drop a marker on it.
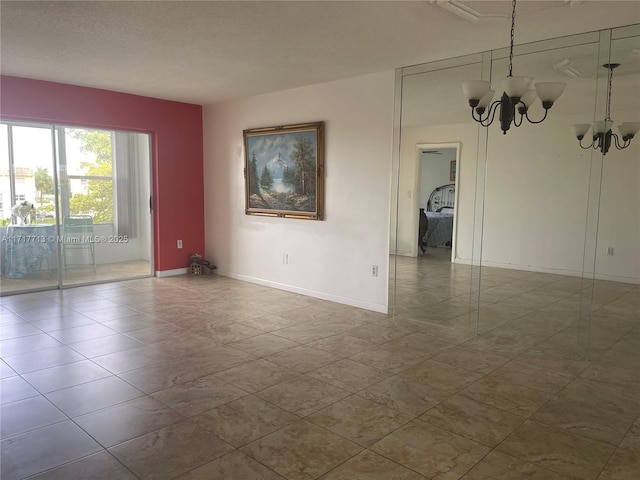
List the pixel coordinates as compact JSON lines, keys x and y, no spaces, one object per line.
{"x":177,"y":149}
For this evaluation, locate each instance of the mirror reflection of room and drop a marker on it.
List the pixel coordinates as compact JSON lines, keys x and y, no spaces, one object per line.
{"x":542,"y":227}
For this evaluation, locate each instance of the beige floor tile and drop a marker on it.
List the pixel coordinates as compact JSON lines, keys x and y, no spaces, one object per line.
{"x":359,"y":420}
{"x":349,"y":375}
{"x":623,"y":465}
{"x":198,"y":396}
{"x":6,"y":371}
{"x":533,"y":376}
{"x":389,"y":360}
{"x":611,"y":397}
{"x":623,"y":377}
{"x":15,"y":388}
{"x":342,"y":345}
{"x":48,"y":447}
{"x":41,"y":359}
{"x":264,"y":344}
{"x":566,"y":364}
{"x":378,"y":334}
{"x":99,"y":466}
{"x":244,"y":420}
{"x":440,"y":375}
{"x":234,"y":465}
{"x":500,"y":466}
{"x":67,"y":375}
{"x":557,"y":450}
{"x":81,"y":333}
{"x":408,"y":395}
{"x":125,"y":361}
{"x":170,"y":451}
{"x":303,"y":359}
{"x":431,"y":451}
{"x":368,"y":465}
{"x":16,"y":346}
{"x":504,"y":395}
{"x":631,"y":440}
{"x":257,"y":375}
{"x":302,"y":395}
{"x":128,"y":420}
{"x":468,"y":359}
{"x":476,"y":421}
{"x":29,"y":414}
{"x":419,"y":343}
{"x":585,"y":419}
{"x":105,"y":345}
{"x":92,"y":396}
{"x":302,"y":451}
{"x":271,"y":322}
{"x":305,"y":333}
{"x":230,"y":333}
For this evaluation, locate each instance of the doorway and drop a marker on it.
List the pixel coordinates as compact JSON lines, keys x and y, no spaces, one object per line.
{"x":437,"y":168}
{"x":74,"y":206}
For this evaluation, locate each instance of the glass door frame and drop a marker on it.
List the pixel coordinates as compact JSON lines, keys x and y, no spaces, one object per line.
{"x":57,"y":132}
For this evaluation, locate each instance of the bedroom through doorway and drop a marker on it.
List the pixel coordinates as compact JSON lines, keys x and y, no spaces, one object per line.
{"x":436,"y":175}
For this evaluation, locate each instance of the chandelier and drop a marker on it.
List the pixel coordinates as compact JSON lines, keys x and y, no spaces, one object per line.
{"x":602,"y":134}
{"x":516,"y":98}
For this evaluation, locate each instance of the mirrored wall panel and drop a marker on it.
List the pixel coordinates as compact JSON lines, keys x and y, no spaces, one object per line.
{"x":529,"y":238}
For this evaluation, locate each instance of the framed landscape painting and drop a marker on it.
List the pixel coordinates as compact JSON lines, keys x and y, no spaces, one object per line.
{"x":284,"y":171}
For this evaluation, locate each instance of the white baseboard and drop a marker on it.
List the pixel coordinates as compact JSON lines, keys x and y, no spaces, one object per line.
{"x":554,"y":271}
{"x":309,"y":293}
{"x":171,"y":273}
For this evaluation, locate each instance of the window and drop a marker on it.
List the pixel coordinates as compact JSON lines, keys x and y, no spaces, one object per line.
{"x":88,"y":161}
{"x":98,"y":173}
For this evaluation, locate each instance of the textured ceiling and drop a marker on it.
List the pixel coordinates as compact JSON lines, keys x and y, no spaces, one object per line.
{"x":206,"y":52}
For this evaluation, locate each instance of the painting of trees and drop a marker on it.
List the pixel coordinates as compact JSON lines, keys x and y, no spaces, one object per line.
{"x":266,"y":180}
{"x":284,"y":168}
{"x":254,"y":188}
{"x":304,"y":174}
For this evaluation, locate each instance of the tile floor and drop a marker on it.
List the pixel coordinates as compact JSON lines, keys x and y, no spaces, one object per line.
{"x":212,"y":378}
{"x":75,"y":275}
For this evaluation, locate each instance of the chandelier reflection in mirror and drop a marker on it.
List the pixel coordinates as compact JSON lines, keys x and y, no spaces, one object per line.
{"x":516,"y":98}
{"x":602,"y":134}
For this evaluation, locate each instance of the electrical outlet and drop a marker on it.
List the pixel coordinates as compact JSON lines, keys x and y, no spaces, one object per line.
{"x":609,"y":251}
{"x":374,"y":270}
{"x":179,"y":243}
{"x":285,"y":258}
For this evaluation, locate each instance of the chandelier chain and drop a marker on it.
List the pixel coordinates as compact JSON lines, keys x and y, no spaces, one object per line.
{"x":513,"y":28}
{"x":608,"y":112}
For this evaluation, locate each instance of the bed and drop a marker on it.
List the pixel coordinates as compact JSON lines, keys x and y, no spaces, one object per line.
{"x":439,"y":213}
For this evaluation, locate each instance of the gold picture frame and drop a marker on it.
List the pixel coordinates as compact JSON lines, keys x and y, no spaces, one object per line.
{"x":284,"y":171}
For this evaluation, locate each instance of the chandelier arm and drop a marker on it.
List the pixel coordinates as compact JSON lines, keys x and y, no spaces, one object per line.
{"x":515,"y":116}
{"x":493,"y":108}
{"x":616,"y":139}
{"x":591,"y":145}
{"x":491,"y":113}
{"x":546,"y":111}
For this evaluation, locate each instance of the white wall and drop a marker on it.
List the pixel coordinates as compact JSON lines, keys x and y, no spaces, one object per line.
{"x":328,"y":259}
{"x":539,"y":186}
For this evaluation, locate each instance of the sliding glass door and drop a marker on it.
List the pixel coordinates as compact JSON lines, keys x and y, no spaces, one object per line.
{"x":27,"y":208}
{"x":87,"y":194}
